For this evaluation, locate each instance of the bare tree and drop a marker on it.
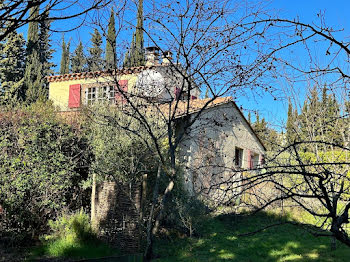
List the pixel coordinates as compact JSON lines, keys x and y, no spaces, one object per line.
{"x":14,"y":14}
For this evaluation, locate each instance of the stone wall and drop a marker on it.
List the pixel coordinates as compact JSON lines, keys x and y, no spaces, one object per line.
{"x":117,"y":214}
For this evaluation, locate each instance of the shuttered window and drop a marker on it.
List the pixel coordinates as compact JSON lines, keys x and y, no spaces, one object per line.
{"x":123,"y":85}
{"x":74,"y":96}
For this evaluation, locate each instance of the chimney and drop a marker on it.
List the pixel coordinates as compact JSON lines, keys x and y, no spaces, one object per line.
{"x":152,"y":55}
{"x":167,"y":58}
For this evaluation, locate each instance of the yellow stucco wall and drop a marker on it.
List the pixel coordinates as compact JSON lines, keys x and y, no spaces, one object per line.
{"x":59,"y":91}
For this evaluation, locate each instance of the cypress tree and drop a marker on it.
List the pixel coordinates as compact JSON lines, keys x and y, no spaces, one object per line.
{"x":95,"y":61}
{"x":290,"y":126}
{"x":12,"y":67}
{"x":45,"y":45}
{"x":78,"y":59}
{"x":136,"y":54}
{"x":111,"y":60}
{"x":64,"y":69}
{"x":33,"y":78}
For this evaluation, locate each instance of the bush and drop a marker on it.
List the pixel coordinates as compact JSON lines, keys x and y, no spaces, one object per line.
{"x":75,"y":227}
{"x":72,"y":236}
{"x":184,"y":212}
{"x":43,"y":161}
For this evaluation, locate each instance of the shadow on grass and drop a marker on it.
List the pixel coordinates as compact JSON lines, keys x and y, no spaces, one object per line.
{"x":64,"y":249}
{"x":220,"y":241}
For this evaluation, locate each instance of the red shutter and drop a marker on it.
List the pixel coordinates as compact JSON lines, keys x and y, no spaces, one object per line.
{"x":249,"y":158}
{"x":74,"y":96}
{"x":177,"y":93}
{"x":123,"y":85}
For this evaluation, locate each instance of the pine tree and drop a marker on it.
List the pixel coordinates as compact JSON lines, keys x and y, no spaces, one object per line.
{"x":64,"y":69}
{"x":12,"y":67}
{"x":111,"y":60}
{"x":249,"y":118}
{"x":95,"y":60}
{"x":33,"y":78}
{"x":78,"y":59}
{"x":136,"y":54}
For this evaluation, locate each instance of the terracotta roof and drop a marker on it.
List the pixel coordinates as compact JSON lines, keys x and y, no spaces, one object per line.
{"x":194,"y":105}
{"x":86,"y":75}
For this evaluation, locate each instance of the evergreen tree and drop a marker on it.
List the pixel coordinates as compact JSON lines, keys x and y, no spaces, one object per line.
{"x":136,"y":54}
{"x":78,"y":59}
{"x":95,"y":60}
{"x":45,"y":45}
{"x":291,"y":124}
{"x":64,"y":69}
{"x":111,"y":60}
{"x":12,"y":67}
{"x":249,"y":118}
{"x":33,"y":78}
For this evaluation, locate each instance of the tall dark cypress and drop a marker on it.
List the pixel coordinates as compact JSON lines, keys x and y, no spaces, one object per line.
{"x":95,"y":60}
{"x":46,"y":50}
{"x":78,"y":60}
{"x":136,"y":54}
{"x":290,"y":126}
{"x":111,"y":59}
{"x":64,"y":69}
{"x":33,"y":78}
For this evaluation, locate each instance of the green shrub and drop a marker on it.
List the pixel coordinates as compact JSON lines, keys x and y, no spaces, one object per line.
{"x":72,"y":236}
{"x":75,"y":227}
{"x":42,"y":164}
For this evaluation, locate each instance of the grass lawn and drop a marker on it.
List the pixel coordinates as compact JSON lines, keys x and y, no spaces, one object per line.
{"x":73,"y":250}
{"x":219,"y":241}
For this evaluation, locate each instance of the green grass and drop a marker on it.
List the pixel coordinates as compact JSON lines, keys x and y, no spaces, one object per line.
{"x":70,"y":248}
{"x":219,"y":241}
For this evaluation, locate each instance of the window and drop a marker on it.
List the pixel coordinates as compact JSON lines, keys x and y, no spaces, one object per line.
{"x":103,"y":93}
{"x":91,"y":95}
{"x":238,"y":157}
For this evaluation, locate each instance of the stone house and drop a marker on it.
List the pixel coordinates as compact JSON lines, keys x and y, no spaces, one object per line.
{"x":213,"y":151}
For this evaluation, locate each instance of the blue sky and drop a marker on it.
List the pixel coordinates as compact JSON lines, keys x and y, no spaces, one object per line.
{"x":336,"y":14}
{"x":274,"y":111}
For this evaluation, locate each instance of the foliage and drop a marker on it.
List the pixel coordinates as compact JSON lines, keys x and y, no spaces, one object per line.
{"x":184,"y":211}
{"x":269,"y":137}
{"x":33,"y":75}
{"x":72,"y":236}
{"x":95,"y":60}
{"x":120,"y":154}
{"x":43,"y":161}
{"x":45,"y":45}
{"x":79,"y":60}
{"x":65,"y":61}
{"x":111,"y":59}
{"x":12,"y":66}
{"x":135,"y":56}
{"x":75,"y":227}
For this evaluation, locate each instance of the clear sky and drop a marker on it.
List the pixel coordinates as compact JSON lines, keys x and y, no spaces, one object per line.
{"x":336,"y":14}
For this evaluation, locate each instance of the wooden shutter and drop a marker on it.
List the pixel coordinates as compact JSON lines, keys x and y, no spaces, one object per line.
{"x":177,"y":92}
{"x":123,"y":85}
{"x":74,"y":96}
